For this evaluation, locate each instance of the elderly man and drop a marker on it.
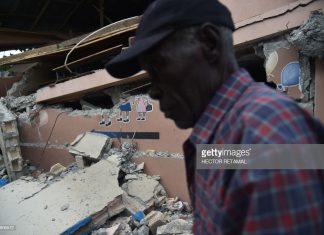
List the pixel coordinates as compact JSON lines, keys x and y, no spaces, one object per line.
{"x":186,"y":47}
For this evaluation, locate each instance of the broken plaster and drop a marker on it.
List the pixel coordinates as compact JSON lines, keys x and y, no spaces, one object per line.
{"x":309,"y":38}
{"x":270,"y":47}
{"x":307,"y":78}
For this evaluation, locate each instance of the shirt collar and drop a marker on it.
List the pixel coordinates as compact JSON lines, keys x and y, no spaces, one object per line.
{"x":221,"y":103}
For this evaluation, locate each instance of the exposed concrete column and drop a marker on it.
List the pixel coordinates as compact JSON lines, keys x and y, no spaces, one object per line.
{"x":9,"y":143}
{"x":309,"y":39}
{"x":307,"y":78}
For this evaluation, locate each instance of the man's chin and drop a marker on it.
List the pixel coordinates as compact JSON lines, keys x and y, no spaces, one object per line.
{"x":180,"y":123}
{"x":183,"y":124}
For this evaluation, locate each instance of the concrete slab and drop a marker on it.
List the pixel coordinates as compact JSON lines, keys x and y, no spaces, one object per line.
{"x":178,"y":226}
{"x":90,"y":145}
{"x":143,"y":188}
{"x":87,"y":192}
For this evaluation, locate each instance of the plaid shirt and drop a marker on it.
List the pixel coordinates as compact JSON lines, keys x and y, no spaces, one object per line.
{"x":234,"y":202}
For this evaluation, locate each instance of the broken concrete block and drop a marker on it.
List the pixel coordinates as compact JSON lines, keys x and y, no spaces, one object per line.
{"x":50,"y":178}
{"x":107,"y":231}
{"x":160,"y":201}
{"x":143,"y":230}
{"x":129,"y":167}
{"x":133,"y":204}
{"x":178,"y":226}
{"x":112,"y":230}
{"x":124,"y":229}
{"x":187,"y":207}
{"x":177,"y":206}
{"x":309,"y":37}
{"x":90,"y":145}
{"x":143,"y":188}
{"x":79,"y":161}
{"x":155,"y":219}
{"x":156,"y":177}
{"x":115,"y":158}
{"x":57,"y":169}
{"x":113,"y":208}
{"x":142,"y":192}
{"x":42,"y":178}
{"x":140,"y":167}
{"x":131,"y":177}
{"x":95,"y":191}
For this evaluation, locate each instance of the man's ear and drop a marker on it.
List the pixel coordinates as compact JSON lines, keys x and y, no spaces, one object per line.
{"x":210,"y":38}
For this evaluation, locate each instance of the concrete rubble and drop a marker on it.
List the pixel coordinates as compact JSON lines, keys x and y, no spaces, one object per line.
{"x":110,"y":197}
{"x":178,"y":226}
{"x":57,"y":169}
{"x":11,"y":157}
{"x":90,"y":145}
{"x":72,"y":199}
{"x":144,"y":194}
{"x":309,"y":38}
{"x":104,"y":192}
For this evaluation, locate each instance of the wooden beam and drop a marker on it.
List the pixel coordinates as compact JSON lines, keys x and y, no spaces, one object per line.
{"x":41,"y":13}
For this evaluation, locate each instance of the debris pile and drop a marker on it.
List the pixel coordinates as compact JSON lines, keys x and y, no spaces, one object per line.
{"x":109,"y":195}
{"x":148,"y":210}
{"x":4,"y":178}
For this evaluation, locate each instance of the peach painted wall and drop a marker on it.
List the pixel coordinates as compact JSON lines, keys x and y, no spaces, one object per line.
{"x":67,"y":128}
{"x":242,"y":10}
{"x":6,"y":83}
{"x":319,"y":89}
{"x":256,"y":20}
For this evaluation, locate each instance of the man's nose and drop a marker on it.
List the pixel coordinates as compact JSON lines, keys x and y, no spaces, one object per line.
{"x":155,"y":92}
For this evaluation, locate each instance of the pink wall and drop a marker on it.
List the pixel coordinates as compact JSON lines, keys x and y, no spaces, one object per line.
{"x":242,"y":10}
{"x":319,"y":89}
{"x":67,"y":127}
{"x":6,"y":83}
{"x":256,"y":20}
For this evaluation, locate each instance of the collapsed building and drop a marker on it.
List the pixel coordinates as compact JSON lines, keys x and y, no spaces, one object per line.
{"x":69,"y":128}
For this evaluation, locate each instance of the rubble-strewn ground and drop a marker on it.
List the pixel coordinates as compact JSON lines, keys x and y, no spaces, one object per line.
{"x":106,"y":194}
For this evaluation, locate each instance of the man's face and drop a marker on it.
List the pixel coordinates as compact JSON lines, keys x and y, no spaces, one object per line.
{"x":180,"y":81}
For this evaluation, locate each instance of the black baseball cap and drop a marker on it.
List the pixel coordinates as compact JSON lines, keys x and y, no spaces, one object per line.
{"x":161,"y":19}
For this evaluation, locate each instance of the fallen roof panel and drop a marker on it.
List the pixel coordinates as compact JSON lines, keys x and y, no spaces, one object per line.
{"x":96,"y":56}
{"x":76,"y":88}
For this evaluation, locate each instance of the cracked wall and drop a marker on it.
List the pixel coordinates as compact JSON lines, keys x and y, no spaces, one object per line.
{"x":45,"y":138}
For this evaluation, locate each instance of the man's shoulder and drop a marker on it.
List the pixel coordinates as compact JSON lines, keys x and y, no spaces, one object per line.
{"x":261,"y":100}
{"x":267,"y":116}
